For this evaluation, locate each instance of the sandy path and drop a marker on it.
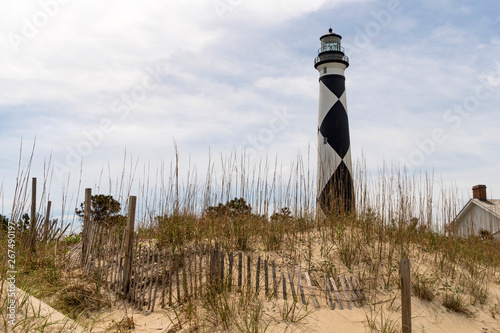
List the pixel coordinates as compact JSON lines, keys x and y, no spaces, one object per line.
{"x":37,"y":315}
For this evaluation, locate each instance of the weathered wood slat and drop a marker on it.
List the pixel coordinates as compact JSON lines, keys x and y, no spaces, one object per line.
{"x":301,"y":287}
{"x":109,"y":256}
{"x":120,"y":276}
{"x":292,"y":287}
{"x":110,"y":259}
{"x":329,"y":294}
{"x":201,"y":269}
{"x":230,"y":274}
{"x":357,"y":287}
{"x":332,"y":281}
{"x":151,"y":271}
{"x":95,"y":248}
{"x":137,"y":277}
{"x":208,"y":260}
{"x":249,"y":271}
{"x":240,"y":269}
{"x":89,"y":248}
{"x":177,"y":279}
{"x":194,"y":258}
{"x":156,"y":281}
{"x":147,"y":280}
{"x":221,"y":278}
{"x":106,"y":249}
{"x":185,"y":286}
{"x":190,"y":270}
{"x":257,"y":276}
{"x":114,"y":261}
{"x":275,"y":280}
{"x":195,"y":271}
{"x":170,"y":276}
{"x":133,"y":281}
{"x":266,"y":278}
{"x":207,"y":255}
{"x":215,"y":265}
{"x":140,"y":281}
{"x":345,"y":292}
{"x":120,"y":259}
{"x":99,"y":254}
{"x":146,"y":273}
{"x":284,"y":286}
{"x":105,"y":263}
{"x":163,"y":278}
{"x":311,"y":291}
{"x":353,"y":294}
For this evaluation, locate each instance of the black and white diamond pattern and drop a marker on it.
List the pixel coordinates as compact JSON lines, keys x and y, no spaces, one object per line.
{"x":338,"y":191}
{"x":334,"y":165}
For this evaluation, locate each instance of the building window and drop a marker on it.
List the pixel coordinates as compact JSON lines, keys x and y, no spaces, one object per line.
{"x":325,"y":141}
{"x":324,"y":70}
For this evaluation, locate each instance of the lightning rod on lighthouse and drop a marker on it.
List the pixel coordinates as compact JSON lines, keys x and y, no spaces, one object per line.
{"x":335,"y":185}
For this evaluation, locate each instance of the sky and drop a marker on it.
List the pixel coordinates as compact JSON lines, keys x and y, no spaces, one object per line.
{"x":91,"y":81}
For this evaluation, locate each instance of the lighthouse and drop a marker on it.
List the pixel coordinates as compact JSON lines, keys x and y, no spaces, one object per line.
{"x":335,"y":184}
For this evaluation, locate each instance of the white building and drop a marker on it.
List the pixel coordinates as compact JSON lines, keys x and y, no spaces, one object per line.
{"x":479,"y":214}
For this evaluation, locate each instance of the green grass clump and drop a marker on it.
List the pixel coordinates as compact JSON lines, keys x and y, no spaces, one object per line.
{"x":455,"y":302}
{"x":423,"y":287}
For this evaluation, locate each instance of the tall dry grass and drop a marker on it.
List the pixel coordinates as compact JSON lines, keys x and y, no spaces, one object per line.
{"x":399,"y":214}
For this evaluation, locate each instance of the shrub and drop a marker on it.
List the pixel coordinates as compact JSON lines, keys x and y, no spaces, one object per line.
{"x":104,"y":210}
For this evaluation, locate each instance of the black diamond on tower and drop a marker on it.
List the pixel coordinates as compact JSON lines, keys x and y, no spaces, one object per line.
{"x":335,"y":83}
{"x":338,"y":192}
{"x":335,"y":127}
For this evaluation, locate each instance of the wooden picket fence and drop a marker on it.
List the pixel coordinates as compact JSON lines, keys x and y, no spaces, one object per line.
{"x":170,"y":276}
{"x":147,"y":276}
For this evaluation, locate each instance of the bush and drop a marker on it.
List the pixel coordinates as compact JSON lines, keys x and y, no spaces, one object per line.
{"x":104,"y":210}
{"x":231,"y":209}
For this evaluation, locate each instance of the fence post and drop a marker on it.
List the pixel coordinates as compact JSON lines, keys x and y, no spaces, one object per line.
{"x":405,"y":295}
{"x":129,"y":243}
{"x":86,"y":224}
{"x":33,"y":219}
{"x":47,"y":221}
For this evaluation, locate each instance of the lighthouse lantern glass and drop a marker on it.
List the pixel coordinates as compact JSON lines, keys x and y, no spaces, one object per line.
{"x":330,"y":43}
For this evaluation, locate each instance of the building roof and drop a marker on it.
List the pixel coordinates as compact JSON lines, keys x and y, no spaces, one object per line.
{"x":492,"y":206}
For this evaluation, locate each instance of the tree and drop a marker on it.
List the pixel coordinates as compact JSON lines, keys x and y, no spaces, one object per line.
{"x":104,"y":210}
